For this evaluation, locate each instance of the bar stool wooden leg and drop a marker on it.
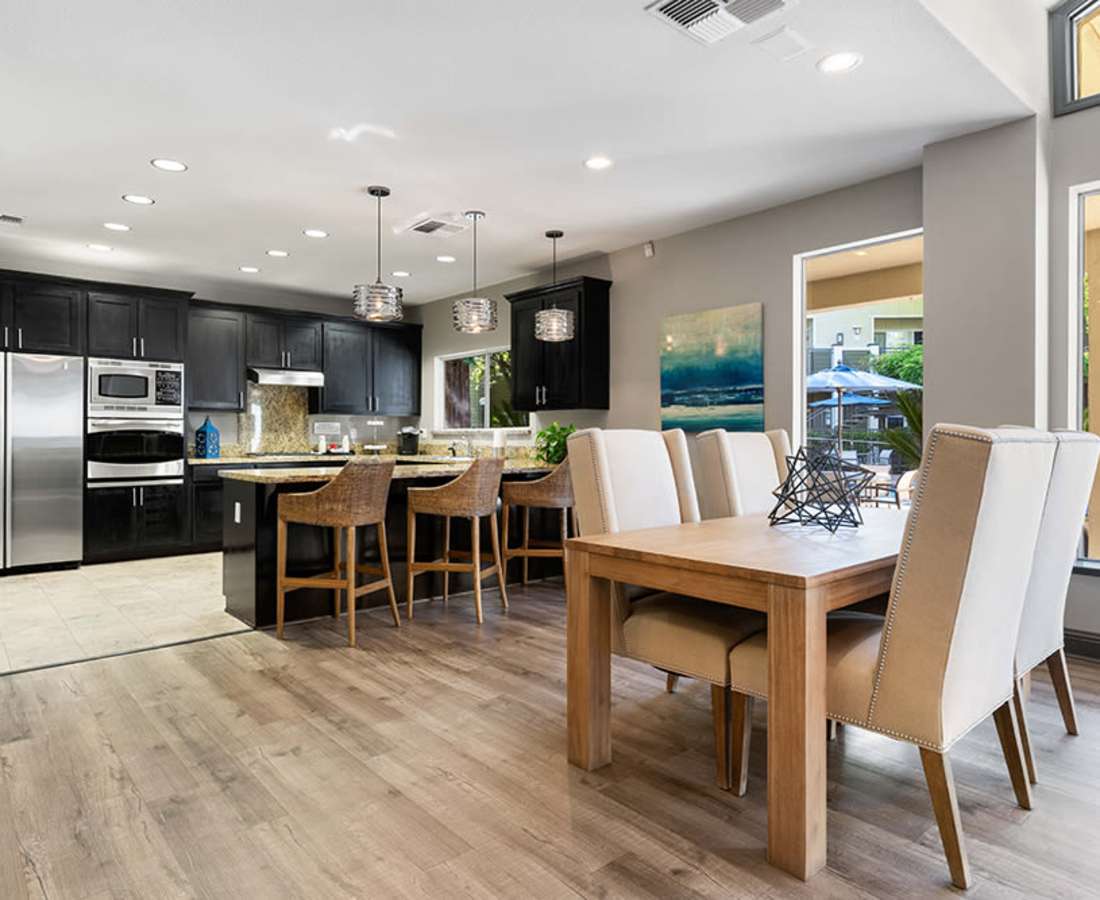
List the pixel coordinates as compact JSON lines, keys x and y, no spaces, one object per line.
{"x":446,"y":557}
{"x":526,"y":539}
{"x":506,"y":512}
{"x":410,"y":554}
{"x":475,"y":549}
{"x":351,"y":586}
{"x":497,"y":561}
{"x":384,"y":553}
{"x":338,"y":541}
{"x":280,"y":569}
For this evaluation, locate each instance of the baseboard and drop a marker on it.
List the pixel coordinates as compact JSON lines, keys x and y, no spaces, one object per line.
{"x":1084,"y":644}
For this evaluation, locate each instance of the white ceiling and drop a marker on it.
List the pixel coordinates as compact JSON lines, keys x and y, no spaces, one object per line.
{"x":491,"y":104}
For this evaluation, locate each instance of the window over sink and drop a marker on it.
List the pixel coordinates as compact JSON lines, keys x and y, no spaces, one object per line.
{"x":477,"y":391}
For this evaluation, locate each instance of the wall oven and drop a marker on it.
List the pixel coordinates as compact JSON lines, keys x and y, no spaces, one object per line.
{"x":134,"y":389}
{"x":134,"y":448}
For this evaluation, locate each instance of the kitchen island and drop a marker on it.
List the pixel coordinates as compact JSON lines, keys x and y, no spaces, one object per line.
{"x":248,"y":547}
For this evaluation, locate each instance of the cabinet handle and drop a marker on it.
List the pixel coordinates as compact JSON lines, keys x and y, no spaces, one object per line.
{"x":19,"y":337}
{"x":143,"y":348}
{"x":133,"y":497}
{"x":240,"y":399}
{"x":288,"y":359}
{"x":133,"y":341}
{"x":141,"y":496}
{"x":5,"y":335}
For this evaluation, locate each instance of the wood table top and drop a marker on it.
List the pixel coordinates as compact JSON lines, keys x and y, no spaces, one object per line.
{"x":748,"y":547}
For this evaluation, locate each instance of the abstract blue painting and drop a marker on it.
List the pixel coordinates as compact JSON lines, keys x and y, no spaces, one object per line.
{"x":712,"y":369}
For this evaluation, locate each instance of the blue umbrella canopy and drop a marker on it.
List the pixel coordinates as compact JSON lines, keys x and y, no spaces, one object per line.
{"x":849,"y":400}
{"x":845,"y":378}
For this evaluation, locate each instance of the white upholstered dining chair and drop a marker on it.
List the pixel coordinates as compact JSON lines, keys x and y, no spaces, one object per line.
{"x":1042,"y":628}
{"x":941,"y":661}
{"x":624,"y":480}
{"x":739,"y":470}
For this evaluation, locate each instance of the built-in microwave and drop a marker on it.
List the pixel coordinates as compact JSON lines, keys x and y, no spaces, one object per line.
{"x":129,"y":389}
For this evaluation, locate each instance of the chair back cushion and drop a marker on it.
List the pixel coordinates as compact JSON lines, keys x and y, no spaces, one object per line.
{"x":739,"y":470}
{"x":627,"y":479}
{"x":946,"y":658}
{"x":1042,"y":627}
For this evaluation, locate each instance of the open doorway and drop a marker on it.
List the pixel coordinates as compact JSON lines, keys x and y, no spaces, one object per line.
{"x":862,"y":309}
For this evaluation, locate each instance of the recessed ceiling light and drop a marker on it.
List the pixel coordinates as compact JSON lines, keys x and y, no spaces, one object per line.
{"x":99,"y":248}
{"x":400,"y":273}
{"x":116,"y":226}
{"x":315,"y":233}
{"x":168,"y":165}
{"x":278,"y":253}
{"x":838,"y":63}
{"x":445,"y":259}
{"x":138,"y":199}
{"x":599,"y":163}
{"x":251,"y":270}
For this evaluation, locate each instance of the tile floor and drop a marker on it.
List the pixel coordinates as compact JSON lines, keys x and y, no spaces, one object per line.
{"x":55,"y":617}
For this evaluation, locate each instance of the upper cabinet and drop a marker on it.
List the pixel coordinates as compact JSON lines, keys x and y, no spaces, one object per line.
{"x":396,"y":369}
{"x":571,"y":374}
{"x":370,"y":370}
{"x":128,"y":326}
{"x":277,"y":342}
{"x":215,"y":358}
{"x":41,"y":318}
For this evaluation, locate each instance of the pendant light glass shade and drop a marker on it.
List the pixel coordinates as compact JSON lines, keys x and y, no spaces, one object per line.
{"x":474,"y":315}
{"x":555,"y":325}
{"x":377,"y":302}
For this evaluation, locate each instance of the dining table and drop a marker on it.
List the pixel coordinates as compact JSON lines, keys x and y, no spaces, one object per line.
{"x":795,"y":574}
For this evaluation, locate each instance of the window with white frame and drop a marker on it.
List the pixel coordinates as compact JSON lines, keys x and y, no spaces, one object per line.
{"x":477,"y":391}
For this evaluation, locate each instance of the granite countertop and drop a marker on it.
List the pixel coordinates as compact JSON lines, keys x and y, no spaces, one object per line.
{"x":268,"y":458}
{"x":402,"y":472}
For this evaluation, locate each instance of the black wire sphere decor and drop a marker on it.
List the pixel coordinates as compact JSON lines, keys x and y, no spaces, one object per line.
{"x":821,"y":488}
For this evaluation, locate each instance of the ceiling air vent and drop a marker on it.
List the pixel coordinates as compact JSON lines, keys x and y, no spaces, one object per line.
{"x":5,"y":219}
{"x":709,"y":21}
{"x":439,"y":225}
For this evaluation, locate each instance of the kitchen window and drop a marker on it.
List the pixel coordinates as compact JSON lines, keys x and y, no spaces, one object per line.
{"x":477,"y":391}
{"x":1075,"y":55}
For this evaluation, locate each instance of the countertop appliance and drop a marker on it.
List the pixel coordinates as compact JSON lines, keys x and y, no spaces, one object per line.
{"x":134,"y":389}
{"x":408,"y":442}
{"x":43,"y":456}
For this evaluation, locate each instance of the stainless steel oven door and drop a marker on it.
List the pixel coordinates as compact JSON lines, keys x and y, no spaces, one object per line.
{"x":134,"y":448}
{"x":125,"y":389}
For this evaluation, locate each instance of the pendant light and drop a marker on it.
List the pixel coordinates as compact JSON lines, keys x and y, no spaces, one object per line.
{"x":474,"y":315}
{"x":553,"y":324}
{"x":377,"y":302}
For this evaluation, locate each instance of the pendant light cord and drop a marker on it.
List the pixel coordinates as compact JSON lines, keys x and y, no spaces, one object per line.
{"x":555,"y":275}
{"x":378,"y":277}
{"x":476,"y":217}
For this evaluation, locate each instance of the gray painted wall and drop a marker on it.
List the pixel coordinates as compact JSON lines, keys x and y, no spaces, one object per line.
{"x":744,"y":260}
{"x":985,"y":288}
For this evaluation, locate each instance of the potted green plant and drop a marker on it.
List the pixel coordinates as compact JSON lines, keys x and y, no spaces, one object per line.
{"x":550,"y":446}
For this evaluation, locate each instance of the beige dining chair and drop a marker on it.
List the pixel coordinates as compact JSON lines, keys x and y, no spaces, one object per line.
{"x":942,"y":659}
{"x":739,"y":470}
{"x":624,"y":480}
{"x":1042,"y":628}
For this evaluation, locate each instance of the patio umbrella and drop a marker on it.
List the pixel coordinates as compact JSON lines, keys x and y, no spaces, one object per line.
{"x":844,"y":378}
{"x":849,"y":400}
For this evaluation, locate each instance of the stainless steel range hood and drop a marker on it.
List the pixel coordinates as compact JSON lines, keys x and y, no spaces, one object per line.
{"x":286,"y":377}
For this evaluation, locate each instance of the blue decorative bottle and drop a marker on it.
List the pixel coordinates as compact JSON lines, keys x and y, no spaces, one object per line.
{"x":208,"y":441}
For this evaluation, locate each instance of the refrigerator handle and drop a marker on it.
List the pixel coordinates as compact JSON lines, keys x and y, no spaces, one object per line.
{"x":5,"y":376}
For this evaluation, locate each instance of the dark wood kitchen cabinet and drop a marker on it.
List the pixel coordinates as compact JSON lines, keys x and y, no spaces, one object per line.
{"x":283,"y":342}
{"x":571,"y":374}
{"x":135,"y":521}
{"x":370,"y":370}
{"x":215,"y":359}
{"x":128,"y":326}
{"x":348,"y":377}
{"x":395,"y":365}
{"x":42,"y":318}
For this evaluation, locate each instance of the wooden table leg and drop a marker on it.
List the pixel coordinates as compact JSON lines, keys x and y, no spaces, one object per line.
{"x":588,"y":664}
{"x":796,"y":716}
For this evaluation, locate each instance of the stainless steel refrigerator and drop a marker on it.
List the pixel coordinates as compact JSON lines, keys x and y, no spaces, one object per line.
{"x":42,"y":426}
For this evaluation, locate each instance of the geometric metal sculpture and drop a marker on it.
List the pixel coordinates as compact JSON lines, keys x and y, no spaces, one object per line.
{"x":821,"y":488}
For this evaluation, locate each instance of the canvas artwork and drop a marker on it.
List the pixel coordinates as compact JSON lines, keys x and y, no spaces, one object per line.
{"x":712,"y":369}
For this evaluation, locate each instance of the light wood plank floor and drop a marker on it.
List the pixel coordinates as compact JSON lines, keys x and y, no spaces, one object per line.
{"x":430,"y":762}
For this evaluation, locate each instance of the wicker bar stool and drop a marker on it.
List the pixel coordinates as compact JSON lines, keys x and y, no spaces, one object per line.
{"x":471,"y":495}
{"x":355,"y":497}
{"x":554,"y":491}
